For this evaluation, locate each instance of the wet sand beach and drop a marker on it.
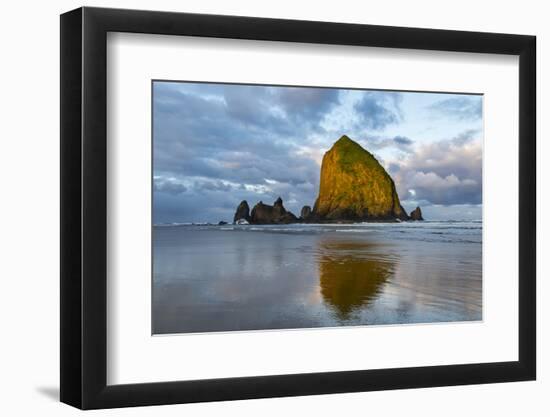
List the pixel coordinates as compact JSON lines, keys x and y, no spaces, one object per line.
{"x":225,"y":278}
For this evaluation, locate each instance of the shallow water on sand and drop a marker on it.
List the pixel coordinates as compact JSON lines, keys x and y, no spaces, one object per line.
{"x":223,"y":278}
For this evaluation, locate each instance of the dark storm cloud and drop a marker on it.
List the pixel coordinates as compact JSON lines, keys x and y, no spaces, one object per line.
{"x":207,"y":137}
{"x":234,"y":140}
{"x":461,"y":108}
{"x":309,"y":105}
{"x":402,"y":140}
{"x":376,"y":143}
{"x":445,"y":172}
{"x":376,"y":110}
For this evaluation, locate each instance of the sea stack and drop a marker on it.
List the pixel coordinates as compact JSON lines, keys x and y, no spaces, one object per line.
{"x":305,"y":214}
{"x":355,"y":187}
{"x":275,"y":214}
{"x":416,"y":214}
{"x":242,"y":212}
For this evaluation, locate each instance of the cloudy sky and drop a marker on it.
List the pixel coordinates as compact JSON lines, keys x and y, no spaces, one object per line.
{"x":218,"y":144}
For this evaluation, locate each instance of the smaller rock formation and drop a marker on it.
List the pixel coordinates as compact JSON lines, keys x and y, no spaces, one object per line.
{"x":221,"y":223}
{"x":416,"y":214}
{"x":305,"y":214}
{"x":276,"y":214}
{"x":278,"y":208}
{"x":242,"y":212}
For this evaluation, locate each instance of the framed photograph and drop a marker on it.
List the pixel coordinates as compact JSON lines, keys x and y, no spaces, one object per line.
{"x":257,"y":208}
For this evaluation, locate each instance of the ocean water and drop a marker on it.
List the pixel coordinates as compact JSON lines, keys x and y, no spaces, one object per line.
{"x":210,"y":278}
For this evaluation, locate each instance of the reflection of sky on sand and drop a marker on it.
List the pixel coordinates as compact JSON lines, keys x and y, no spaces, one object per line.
{"x":207,"y":279}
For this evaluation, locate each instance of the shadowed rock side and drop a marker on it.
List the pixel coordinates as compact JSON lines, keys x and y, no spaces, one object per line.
{"x":416,"y":214}
{"x":242,"y":212}
{"x":355,"y":187}
{"x":305,"y":214}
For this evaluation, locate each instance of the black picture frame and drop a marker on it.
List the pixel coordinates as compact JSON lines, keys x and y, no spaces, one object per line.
{"x":84,"y":207}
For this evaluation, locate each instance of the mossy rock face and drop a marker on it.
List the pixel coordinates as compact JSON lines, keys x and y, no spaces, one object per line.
{"x":355,"y":187}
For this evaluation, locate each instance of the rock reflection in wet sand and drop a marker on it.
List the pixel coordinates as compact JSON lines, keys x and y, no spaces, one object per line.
{"x":349,"y":278}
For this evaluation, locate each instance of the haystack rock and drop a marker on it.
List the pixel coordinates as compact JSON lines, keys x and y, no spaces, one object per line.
{"x":355,"y":187}
{"x":275,"y":214}
{"x":242,"y":212}
{"x":416,"y":214}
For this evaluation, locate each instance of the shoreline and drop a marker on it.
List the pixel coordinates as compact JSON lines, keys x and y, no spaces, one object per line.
{"x":324,"y":223}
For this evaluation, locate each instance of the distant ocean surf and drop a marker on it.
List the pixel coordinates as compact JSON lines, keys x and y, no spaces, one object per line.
{"x":210,"y":278}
